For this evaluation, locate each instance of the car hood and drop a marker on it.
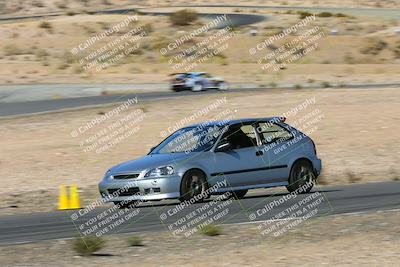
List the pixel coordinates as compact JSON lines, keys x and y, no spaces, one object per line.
{"x":149,"y":162}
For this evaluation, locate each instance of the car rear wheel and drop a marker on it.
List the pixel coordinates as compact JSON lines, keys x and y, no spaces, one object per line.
{"x":301,"y":178}
{"x":194,"y":185}
{"x":239,"y":194}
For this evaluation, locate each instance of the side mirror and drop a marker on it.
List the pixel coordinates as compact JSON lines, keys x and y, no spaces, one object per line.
{"x":224,"y":146}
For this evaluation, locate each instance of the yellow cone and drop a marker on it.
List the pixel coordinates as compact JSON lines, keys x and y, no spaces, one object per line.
{"x":63,"y":202}
{"x":74,"y":202}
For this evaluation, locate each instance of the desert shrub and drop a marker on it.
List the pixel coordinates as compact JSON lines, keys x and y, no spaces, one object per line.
{"x":135,"y":241}
{"x":373,"y":46}
{"x":148,"y":28}
{"x":211,"y":230}
{"x":352,"y":177}
{"x":396,"y":49}
{"x":45,"y":25}
{"x":340,"y":15}
{"x":70,"y":13}
{"x":11,"y":50}
{"x":325,"y":15}
{"x":183,"y":17}
{"x":68,"y":58}
{"x":325,"y":84}
{"x":86,"y":246}
{"x":41,"y":54}
{"x":304,"y":14}
{"x":349,"y":59}
{"x":37,"y":3}
{"x":63,"y":66}
{"x":61,"y":5}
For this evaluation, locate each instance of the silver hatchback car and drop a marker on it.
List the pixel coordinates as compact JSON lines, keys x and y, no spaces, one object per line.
{"x":217,"y":157}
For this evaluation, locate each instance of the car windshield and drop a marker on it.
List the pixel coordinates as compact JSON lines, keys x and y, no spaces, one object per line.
{"x":190,"y":139}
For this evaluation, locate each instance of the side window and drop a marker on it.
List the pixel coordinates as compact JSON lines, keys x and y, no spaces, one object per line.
{"x":271,"y":133}
{"x":240,"y":136}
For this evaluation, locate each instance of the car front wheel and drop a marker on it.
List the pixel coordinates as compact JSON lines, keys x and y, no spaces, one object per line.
{"x":223,"y":86}
{"x":197,"y":87}
{"x":301,"y":178}
{"x":194,"y":185}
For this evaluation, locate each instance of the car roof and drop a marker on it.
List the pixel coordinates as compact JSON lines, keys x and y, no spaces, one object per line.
{"x":188,"y":73}
{"x":230,"y":122}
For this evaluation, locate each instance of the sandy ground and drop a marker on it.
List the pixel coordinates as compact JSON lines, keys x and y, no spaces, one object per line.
{"x":356,"y":240}
{"x":356,"y":136}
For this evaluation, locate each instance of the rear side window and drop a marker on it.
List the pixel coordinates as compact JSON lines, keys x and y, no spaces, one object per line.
{"x":271,"y":132}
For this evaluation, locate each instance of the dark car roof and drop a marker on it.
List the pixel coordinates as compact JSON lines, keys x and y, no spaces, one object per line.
{"x":230,"y":122}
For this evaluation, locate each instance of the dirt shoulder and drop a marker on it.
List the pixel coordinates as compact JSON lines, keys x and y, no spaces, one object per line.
{"x":354,"y":240}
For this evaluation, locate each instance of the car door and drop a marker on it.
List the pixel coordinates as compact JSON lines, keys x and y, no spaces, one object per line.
{"x":243,"y":165}
{"x":276,"y":150}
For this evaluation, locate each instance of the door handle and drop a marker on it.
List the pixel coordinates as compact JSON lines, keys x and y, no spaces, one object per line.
{"x":259,"y":153}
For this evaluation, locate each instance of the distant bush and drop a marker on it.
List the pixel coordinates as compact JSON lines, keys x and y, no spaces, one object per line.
{"x":352,"y":178}
{"x":135,"y":241}
{"x":61,"y":5}
{"x":325,"y":15}
{"x":373,"y":46}
{"x":11,"y":50}
{"x":325,"y":84}
{"x":396,"y":49}
{"x":86,"y":246}
{"x":183,"y":17}
{"x":148,"y":28}
{"x":340,"y":15}
{"x":70,"y":13}
{"x":304,"y":14}
{"x":41,"y":54}
{"x":45,"y":25}
{"x":211,"y":230}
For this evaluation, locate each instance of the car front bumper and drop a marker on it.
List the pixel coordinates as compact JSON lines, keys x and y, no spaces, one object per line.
{"x":155,"y":188}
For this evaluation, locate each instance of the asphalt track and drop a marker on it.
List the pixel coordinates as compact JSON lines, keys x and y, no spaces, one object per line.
{"x":335,"y":200}
{"x":10,"y":109}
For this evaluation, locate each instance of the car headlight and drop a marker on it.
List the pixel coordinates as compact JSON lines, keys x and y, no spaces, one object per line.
{"x":108,"y":175}
{"x":160,"y":171}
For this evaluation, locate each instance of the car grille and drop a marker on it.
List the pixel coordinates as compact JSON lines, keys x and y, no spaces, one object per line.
{"x":126,"y":176}
{"x":124,"y":192}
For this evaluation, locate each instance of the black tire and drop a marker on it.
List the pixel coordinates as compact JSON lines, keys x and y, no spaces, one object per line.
{"x":126,"y":205}
{"x":239,"y":194}
{"x":194,"y":185}
{"x":177,"y":89}
{"x":302,"y":177}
